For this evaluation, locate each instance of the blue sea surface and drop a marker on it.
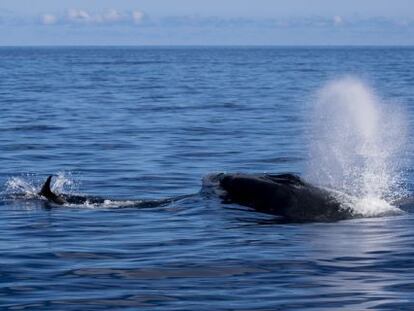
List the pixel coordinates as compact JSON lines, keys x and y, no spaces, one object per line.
{"x":150,"y":123}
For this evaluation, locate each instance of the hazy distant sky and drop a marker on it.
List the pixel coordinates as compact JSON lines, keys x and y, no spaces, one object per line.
{"x":206,"y":22}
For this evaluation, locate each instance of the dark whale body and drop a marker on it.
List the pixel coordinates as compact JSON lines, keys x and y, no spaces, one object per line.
{"x":285,"y":195}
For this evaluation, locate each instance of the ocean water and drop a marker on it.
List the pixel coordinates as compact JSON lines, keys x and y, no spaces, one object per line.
{"x":148,"y":123}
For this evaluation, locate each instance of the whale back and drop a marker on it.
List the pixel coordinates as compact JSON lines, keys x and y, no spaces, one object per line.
{"x":285,"y":195}
{"x":287,"y":178}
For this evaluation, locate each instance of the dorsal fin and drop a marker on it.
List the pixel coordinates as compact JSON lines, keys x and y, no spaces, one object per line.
{"x":48,"y":193}
{"x":46,"y":187}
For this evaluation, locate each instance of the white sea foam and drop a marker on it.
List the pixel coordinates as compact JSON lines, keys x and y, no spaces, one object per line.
{"x":28,"y":186}
{"x":21,"y":186}
{"x":64,"y":182}
{"x":106,"y":204}
{"x":358,"y":146}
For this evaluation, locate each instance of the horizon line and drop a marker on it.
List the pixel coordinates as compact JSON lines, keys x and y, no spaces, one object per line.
{"x":208,"y":45}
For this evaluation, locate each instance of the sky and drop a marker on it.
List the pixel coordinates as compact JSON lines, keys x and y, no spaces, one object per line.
{"x":206,"y":22}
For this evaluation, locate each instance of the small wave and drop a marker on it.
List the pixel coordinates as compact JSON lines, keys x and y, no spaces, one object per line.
{"x":366,"y":206}
{"x":105,"y":204}
{"x":374,"y":207}
{"x":211,"y":185}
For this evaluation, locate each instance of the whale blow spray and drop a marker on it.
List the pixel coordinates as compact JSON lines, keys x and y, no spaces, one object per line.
{"x":358,"y":145}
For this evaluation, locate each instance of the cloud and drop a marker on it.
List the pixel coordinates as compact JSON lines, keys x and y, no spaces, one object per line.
{"x":111,"y":16}
{"x":403,"y":22}
{"x":137,"y":16}
{"x":337,"y":20}
{"x":78,"y":16}
{"x":48,"y":19}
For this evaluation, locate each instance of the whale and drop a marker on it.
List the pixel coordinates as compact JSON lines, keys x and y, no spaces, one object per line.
{"x":286,"y":195}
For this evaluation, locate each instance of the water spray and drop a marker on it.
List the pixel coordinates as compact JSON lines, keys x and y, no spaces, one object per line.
{"x":357,"y":146}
